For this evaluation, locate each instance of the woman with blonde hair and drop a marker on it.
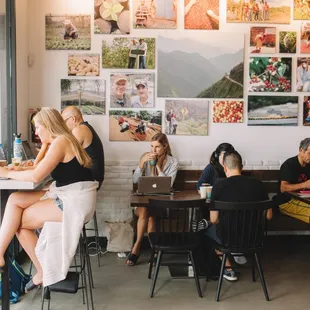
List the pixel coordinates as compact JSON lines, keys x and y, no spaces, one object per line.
{"x":158,"y":162}
{"x":61,"y":211}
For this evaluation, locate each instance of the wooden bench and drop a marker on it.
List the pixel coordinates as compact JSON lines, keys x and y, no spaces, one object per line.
{"x":280,"y":224}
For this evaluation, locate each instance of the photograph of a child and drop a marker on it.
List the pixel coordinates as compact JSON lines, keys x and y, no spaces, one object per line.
{"x":263,"y":40}
{"x":132,"y":91}
{"x":131,"y":53}
{"x":128,"y":125}
{"x":306,"y":111}
{"x":67,"y":32}
{"x":160,"y":14}
{"x":186,"y":117}
{"x":303,"y":74}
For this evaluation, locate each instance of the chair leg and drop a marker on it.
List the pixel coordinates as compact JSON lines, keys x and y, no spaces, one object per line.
{"x":261,"y":275}
{"x":219,"y":285}
{"x":209,"y":268}
{"x":81,"y":271}
{"x":158,"y":261}
{"x":97,"y":238}
{"x":90,"y":278}
{"x":151,"y":265}
{"x":195,"y":274}
{"x":89,"y":269}
{"x":253,"y":269}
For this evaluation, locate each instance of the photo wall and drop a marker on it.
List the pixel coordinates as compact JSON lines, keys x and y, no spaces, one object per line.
{"x":206,"y":69}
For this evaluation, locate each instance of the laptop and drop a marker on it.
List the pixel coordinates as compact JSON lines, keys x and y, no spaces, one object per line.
{"x":154,"y":186}
{"x":27,"y":152}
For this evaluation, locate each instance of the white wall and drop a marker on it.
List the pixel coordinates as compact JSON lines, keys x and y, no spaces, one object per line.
{"x":254,"y":143}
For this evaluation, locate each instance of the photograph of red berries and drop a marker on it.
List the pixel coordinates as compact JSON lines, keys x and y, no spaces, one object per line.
{"x":228,"y":111}
{"x":270,"y":74}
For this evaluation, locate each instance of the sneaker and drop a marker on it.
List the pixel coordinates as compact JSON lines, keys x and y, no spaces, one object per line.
{"x":202,"y":225}
{"x":241,"y":260}
{"x":230,"y":275}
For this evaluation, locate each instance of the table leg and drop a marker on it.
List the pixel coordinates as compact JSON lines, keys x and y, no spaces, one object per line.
{"x":5,"y":275}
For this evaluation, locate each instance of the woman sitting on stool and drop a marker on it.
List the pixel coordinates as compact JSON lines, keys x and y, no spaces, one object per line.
{"x":68,"y":164}
{"x":158,"y":162}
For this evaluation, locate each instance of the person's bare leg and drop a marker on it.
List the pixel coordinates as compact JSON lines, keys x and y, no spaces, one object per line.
{"x":15,"y":207}
{"x":227,"y":264}
{"x":33,"y":218}
{"x":142,"y":214}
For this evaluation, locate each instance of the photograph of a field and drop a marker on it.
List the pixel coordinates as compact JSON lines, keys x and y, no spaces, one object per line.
{"x":287,"y":41}
{"x":272,"y":110}
{"x":155,"y":14}
{"x":228,"y":111}
{"x":111,"y":17}
{"x":262,"y":11}
{"x":186,"y":117}
{"x":83,"y":64}
{"x":270,"y":74}
{"x":129,"y":125}
{"x":201,"y":14}
{"x":70,"y":32}
{"x":88,"y":95}
{"x":131,"y":53}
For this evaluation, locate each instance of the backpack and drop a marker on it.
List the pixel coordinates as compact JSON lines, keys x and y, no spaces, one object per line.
{"x":17,"y":282}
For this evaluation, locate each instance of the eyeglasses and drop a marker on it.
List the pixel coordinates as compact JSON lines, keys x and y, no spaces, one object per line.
{"x":65,"y":120}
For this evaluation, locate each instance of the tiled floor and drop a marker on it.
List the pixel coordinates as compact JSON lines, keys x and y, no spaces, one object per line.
{"x":286,"y":262}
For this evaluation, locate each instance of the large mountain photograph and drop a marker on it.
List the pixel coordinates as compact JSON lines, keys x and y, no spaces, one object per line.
{"x":200,"y":65}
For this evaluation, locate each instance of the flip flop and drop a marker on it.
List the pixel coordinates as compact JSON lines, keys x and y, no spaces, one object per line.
{"x":133,"y":258}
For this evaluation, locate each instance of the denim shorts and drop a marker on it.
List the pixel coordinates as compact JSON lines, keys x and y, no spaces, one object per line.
{"x":59,"y":203}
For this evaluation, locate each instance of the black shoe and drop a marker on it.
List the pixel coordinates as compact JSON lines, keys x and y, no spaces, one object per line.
{"x":30,"y":286}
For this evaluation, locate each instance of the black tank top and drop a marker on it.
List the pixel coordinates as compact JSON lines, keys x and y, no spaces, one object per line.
{"x":96,"y":153}
{"x":71,"y":172}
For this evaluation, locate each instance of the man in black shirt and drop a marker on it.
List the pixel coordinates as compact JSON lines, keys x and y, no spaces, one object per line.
{"x":236,"y":188}
{"x":295,"y":176}
{"x":88,"y":138}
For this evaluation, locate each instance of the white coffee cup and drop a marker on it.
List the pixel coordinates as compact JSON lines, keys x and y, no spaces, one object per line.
{"x":203,"y":192}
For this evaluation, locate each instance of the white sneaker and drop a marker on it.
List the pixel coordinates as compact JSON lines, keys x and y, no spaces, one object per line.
{"x":241,"y":260}
{"x":230,"y":275}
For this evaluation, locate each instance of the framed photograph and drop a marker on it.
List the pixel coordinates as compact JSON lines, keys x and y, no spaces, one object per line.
{"x":132,"y":90}
{"x":270,"y":74}
{"x":305,"y":38}
{"x":228,"y":111}
{"x":155,"y":14}
{"x":301,"y":10}
{"x":88,"y":95}
{"x":195,"y":64}
{"x":131,"y":53}
{"x":303,"y":74}
{"x":188,"y":117}
{"x":67,"y":32}
{"x":272,"y":110}
{"x":111,"y":17}
{"x":287,"y":42}
{"x":83,"y":64}
{"x":306,"y":111}
{"x":263,"y":40}
{"x":201,"y":14}
{"x":129,"y":125}
{"x":258,"y":11}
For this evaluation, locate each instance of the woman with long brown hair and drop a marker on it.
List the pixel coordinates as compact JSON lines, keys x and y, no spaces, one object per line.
{"x":158,"y":162}
{"x":69,"y":203}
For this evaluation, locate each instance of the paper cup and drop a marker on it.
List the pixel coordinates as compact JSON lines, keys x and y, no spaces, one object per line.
{"x":203,"y":192}
{"x":209,"y":191}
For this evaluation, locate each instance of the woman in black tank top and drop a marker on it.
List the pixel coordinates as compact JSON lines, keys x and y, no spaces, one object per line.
{"x":67,"y":162}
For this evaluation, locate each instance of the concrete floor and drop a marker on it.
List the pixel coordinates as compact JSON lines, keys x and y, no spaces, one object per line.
{"x":286,"y":262}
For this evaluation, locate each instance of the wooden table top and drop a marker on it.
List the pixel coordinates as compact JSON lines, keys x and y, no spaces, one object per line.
{"x":142,"y":201}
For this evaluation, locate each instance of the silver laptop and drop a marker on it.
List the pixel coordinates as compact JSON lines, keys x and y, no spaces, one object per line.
{"x":154,"y":186}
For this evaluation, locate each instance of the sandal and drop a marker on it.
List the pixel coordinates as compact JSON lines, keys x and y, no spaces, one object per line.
{"x":132,"y":258}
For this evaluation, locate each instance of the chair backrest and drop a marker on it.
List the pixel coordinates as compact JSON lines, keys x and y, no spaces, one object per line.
{"x":174,"y":219}
{"x":242,"y":225}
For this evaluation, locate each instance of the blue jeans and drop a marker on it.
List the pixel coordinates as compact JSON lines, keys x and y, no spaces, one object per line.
{"x":142,"y":64}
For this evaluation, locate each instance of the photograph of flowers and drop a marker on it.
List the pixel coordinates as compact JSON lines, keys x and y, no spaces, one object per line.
{"x":270,"y":74}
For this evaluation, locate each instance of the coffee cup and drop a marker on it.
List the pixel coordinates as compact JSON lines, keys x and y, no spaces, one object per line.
{"x":153,"y":162}
{"x":3,"y":163}
{"x":209,"y":191}
{"x":16,"y":161}
{"x":203,"y":192}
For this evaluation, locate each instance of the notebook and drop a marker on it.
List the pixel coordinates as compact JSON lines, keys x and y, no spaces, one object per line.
{"x":154,"y":186}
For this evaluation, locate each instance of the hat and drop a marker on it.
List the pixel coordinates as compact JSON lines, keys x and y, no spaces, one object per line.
{"x":141,"y":82}
{"x":119,"y":77}
{"x":67,"y":22}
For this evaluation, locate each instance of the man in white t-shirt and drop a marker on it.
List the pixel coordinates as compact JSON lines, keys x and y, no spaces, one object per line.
{"x":142,"y":100}
{"x":142,"y":57}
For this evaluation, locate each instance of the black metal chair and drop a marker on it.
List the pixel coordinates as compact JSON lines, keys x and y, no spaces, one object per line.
{"x":241,"y":229}
{"x":174,"y":233}
{"x":70,"y":285}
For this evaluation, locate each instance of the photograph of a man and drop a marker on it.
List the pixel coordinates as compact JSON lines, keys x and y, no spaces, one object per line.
{"x":119,"y":98}
{"x":143,"y":99}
